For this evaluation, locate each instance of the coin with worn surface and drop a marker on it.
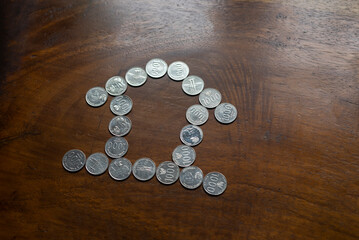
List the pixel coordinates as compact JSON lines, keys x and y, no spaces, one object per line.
{"x":136,"y":77}
{"x":197,"y":114}
{"x":167,"y":172}
{"x":121,"y":105}
{"x":191,"y":177}
{"x":119,"y":126}
{"x":96,"y":96}
{"x":144,"y":169}
{"x":116,"y":147}
{"x":120,"y":169}
{"x":225,"y":113}
{"x":97,"y":163}
{"x":116,"y":86}
{"x":214,"y":183}
{"x":192,"y":85}
{"x":191,"y":135}
{"x":210,"y":98}
{"x":183,"y":155}
{"x":178,"y":71}
{"x":156,"y":68}
{"x":74,"y":160}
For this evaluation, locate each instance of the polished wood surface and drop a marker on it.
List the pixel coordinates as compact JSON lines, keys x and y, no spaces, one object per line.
{"x":291,"y":159}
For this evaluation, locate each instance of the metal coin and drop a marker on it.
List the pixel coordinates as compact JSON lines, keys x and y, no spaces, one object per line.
{"x":214,"y":183}
{"x":96,"y":96}
{"x":225,"y":113}
{"x":119,"y":126}
{"x":183,"y":155}
{"x":156,"y":68}
{"x":210,"y":98}
{"x":120,"y":169}
{"x":97,"y":163}
{"x":191,"y":177}
{"x":191,"y":135}
{"x":121,"y":105}
{"x":192,"y":85}
{"x":116,"y":86}
{"x":144,"y":169}
{"x":136,"y":77}
{"x":178,"y":71}
{"x":197,"y":114}
{"x":74,"y":160}
{"x":116,"y":147}
{"x":167,"y":172}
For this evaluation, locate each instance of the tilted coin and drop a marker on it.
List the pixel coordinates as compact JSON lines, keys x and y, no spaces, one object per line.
{"x":136,"y":77}
{"x":74,"y":160}
{"x":167,"y":172}
{"x":121,"y":105}
{"x":120,"y":169}
{"x":183,"y":155}
{"x":144,"y":169}
{"x":191,"y":135}
{"x":116,"y":147}
{"x":156,"y":68}
{"x":119,"y":126}
{"x":96,"y":96}
{"x":116,"y":86}
{"x":197,"y":114}
{"x":225,"y":113}
{"x":192,"y":85}
{"x":191,"y":177}
{"x":214,"y":183}
{"x":97,"y":163}
{"x":210,"y":98}
{"x":178,"y":71}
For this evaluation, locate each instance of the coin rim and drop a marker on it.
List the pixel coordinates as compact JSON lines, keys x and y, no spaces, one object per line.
{"x":175,"y":161}
{"x":113,"y":111}
{"x":125,"y":132}
{"x":109,"y":154}
{"x":156,"y":77}
{"x":182,"y":140}
{"x":88,"y":101}
{"x":117,"y":94}
{"x":73,"y":171}
{"x":157,"y":169}
{"x":215,"y":113}
{"x":195,"y":123}
{"x":199,"y":98}
{"x":119,"y":179}
{"x":144,"y":180}
{"x":224,"y":179}
{"x":189,"y":93}
{"x":183,"y":184}
{"x":97,"y":174}
{"x":171,"y":77}
{"x":133,"y":85}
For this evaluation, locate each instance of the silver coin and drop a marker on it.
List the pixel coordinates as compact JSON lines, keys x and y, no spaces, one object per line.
{"x":74,"y":160}
{"x":119,"y":126}
{"x":210,"y":98}
{"x":144,"y":169}
{"x":191,"y":135}
{"x":156,"y":68}
{"x":214,"y":183}
{"x":191,"y":177}
{"x":197,"y":114}
{"x":121,"y":105}
{"x":136,"y":77}
{"x":97,"y":163}
{"x":96,"y":96}
{"x":178,"y":71}
{"x":225,"y":113}
{"x":183,"y":155}
{"x":167,"y":172}
{"x":116,"y":86}
{"x":120,"y":169}
{"x":116,"y":147}
{"x":192,"y":85}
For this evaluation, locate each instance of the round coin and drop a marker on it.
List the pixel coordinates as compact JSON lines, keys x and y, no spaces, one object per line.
{"x":136,"y":77}
{"x":191,"y":135}
{"x":167,"y":172}
{"x":197,"y":114}
{"x":191,"y":177}
{"x":120,"y":169}
{"x":144,"y":169}
{"x":225,"y":113}
{"x":116,"y":147}
{"x":183,"y":155}
{"x":121,"y":105}
{"x":96,"y":96}
{"x":192,"y":85}
{"x":210,"y":98}
{"x":74,"y":160}
{"x":116,"y":86}
{"x":156,"y":68}
{"x":178,"y":71}
{"x":214,"y":183}
{"x":119,"y":126}
{"x":97,"y":163}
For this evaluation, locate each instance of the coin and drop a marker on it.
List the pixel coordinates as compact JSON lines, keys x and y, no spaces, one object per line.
{"x":97,"y":163}
{"x":191,"y":177}
{"x":214,"y":183}
{"x":197,"y":114}
{"x":120,"y":169}
{"x":116,"y":86}
{"x":191,"y":135}
{"x":136,"y":77}
{"x":144,"y":169}
{"x":183,"y":155}
{"x":192,"y":85}
{"x":116,"y":147}
{"x":225,"y":113}
{"x":156,"y":68}
{"x":121,"y":105}
{"x":119,"y":126}
{"x":167,"y":172}
{"x":74,"y":160}
{"x":96,"y":96}
{"x":210,"y":98}
{"x":178,"y":71}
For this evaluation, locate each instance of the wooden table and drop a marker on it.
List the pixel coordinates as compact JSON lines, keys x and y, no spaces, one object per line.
{"x":291,"y":159}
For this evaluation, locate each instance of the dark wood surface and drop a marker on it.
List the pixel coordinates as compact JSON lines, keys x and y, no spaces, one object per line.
{"x":291,"y":159}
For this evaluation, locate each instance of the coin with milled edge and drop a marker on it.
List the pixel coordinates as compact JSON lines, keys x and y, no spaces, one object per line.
{"x":183,"y":155}
{"x":120,"y":169}
{"x":144,"y":169}
{"x":192,"y":85}
{"x":136,"y":77}
{"x":97,"y":163}
{"x":214,"y":183}
{"x":210,"y":98}
{"x":225,"y":113}
{"x":119,"y":126}
{"x":191,"y":135}
{"x":74,"y":160}
{"x":116,"y":147}
{"x":167,"y":172}
{"x":197,"y":114}
{"x":116,"y":86}
{"x":191,"y":177}
{"x":178,"y":71}
{"x":121,"y":105}
{"x":156,"y":68}
{"x":96,"y":96}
